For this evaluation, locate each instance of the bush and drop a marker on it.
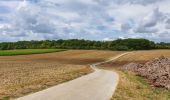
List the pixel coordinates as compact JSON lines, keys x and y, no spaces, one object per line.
{"x":121,"y":48}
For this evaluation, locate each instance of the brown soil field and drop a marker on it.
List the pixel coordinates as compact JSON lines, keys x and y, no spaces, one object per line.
{"x":139,"y":57}
{"x":143,"y":56}
{"x":25,"y":74}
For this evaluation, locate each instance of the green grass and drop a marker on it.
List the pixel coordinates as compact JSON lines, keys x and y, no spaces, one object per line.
{"x":27,"y":51}
{"x":132,"y":87}
{"x":6,"y":98}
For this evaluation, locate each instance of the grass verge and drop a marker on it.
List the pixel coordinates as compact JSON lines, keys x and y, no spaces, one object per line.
{"x":132,"y":87}
{"x":27,"y":51}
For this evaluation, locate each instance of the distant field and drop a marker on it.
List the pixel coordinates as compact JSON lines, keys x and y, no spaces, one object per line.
{"x":27,"y":51}
{"x":139,"y":56}
{"x":24,"y":74}
{"x":132,"y":87}
{"x":143,"y":56}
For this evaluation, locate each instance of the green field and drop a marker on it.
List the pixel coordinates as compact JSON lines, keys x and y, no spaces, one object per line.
{"x":27,"y":51}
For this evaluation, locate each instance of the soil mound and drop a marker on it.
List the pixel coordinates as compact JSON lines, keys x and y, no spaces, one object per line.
{"x":156,"y":70}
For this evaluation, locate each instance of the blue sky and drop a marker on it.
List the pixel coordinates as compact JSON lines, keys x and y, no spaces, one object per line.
{"x":84,"y":19}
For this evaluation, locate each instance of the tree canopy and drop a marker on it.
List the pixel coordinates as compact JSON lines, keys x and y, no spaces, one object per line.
{"x":119,"y":44}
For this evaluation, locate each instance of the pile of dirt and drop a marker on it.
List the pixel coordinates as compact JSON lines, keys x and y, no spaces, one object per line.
{"x":156,"y":70}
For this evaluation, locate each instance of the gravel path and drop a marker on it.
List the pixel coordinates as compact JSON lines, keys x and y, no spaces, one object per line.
{"x":99,"y":85}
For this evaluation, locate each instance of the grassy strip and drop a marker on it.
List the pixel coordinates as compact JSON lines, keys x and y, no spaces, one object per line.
{"x":27,"y":51}
{"x":132,"y":87}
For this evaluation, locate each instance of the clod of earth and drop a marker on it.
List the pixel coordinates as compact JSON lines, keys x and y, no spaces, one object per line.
{"x":157,"y":71}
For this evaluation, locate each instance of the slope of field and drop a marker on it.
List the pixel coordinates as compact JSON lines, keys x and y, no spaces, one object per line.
{"x":27,"y":51}
{"x":132,"y":87}
{"x":143,"y":56}
{"x":29,"y":73}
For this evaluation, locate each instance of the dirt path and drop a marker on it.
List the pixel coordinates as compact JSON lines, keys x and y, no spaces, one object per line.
{"x":99,"y":85}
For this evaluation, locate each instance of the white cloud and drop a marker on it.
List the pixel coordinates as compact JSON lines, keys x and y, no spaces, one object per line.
{"x":84,"y":19}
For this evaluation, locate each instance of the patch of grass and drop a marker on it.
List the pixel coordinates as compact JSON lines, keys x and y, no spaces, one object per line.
{"x":27,"y":51}
{"x":6,"y":98}
{"x":132,"y":87}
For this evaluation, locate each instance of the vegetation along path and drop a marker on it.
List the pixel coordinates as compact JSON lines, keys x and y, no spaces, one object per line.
{"x":99,"y":85}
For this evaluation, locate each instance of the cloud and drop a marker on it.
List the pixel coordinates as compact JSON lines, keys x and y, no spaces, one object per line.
{"x":147,"y":24}
{"x":125,"y":27}
{"x":28,"y":20}
{"x":84,"y":19}
{"x":142,"y":2}
{"x":167,"y":23}
{"x":153,"y":23}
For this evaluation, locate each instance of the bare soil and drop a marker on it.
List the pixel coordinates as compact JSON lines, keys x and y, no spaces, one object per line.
{"x":25,"y":74}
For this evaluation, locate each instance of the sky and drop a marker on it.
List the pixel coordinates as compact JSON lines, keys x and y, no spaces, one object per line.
{"x":84,"y":19}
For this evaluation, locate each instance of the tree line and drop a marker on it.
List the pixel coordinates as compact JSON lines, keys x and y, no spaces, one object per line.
{"x":119,"y":44}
